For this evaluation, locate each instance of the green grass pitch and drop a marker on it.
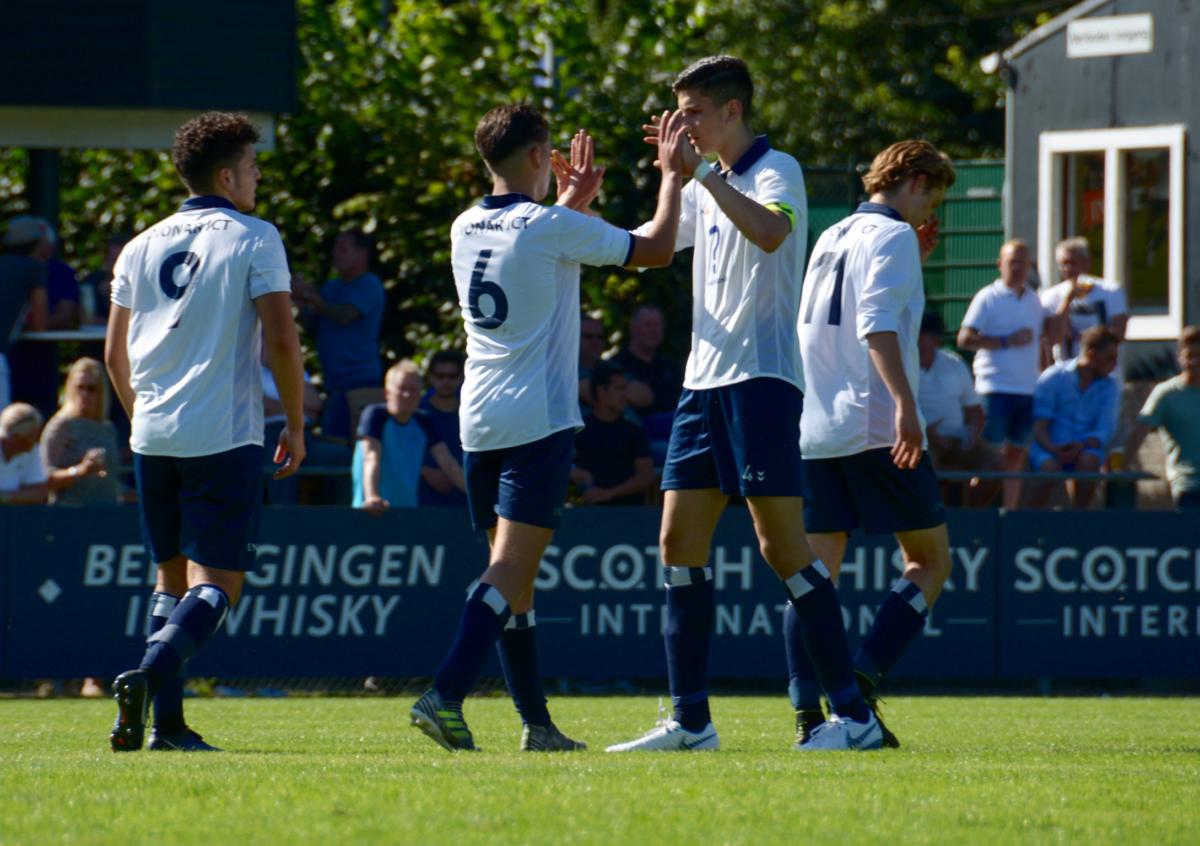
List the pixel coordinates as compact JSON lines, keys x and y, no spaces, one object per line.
{"x":302,"y":770}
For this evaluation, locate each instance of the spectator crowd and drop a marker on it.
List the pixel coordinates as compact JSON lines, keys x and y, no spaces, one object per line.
{"x":1040,"y":403}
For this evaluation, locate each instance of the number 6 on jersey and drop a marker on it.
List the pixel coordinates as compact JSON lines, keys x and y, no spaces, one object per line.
{"x":480,"y":287}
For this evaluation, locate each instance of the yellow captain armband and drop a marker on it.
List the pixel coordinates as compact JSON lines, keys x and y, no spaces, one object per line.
{"x":786,"y":210}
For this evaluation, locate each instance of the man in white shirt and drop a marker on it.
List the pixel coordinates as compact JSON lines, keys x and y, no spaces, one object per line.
{"x":734,"y":431}
{"x":516,"y":268}
{"x":193,"y":298}
{"x":1004,"y":326}
{"x":1081,"y":301}
{"x":862,"y":434}
{"x":952,"y":411}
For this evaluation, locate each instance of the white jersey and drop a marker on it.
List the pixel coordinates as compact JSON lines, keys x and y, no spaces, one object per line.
{"x":194,"y":340}
{"x":744,"y":300}
{"x":1097,"y":307}
{"x":516,"y":268}
{"x":864,"y":277}
{"x":997,"y":310}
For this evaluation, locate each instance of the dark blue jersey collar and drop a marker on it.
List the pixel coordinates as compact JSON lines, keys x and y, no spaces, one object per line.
{"x":756,"y":151}
{"x":502,"y":201}
{"x":208,"y":201}
{"x":878,"y":208}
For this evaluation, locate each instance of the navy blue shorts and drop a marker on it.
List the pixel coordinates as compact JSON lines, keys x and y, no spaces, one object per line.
{"x":868,"y":490}
{"x":742,"y":438}
{"x":524,"y":484}
{"x":206,"y":508}
{"x":1008,"y":418}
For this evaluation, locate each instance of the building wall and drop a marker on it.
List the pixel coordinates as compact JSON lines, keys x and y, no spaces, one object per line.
{"x":1056,"y":93}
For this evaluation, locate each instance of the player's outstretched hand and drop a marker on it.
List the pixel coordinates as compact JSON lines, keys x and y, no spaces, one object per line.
{"x":927,"y":236}
{"x":906,"y":452}
{"x":289,"y":452}
{"x":579,"y":179}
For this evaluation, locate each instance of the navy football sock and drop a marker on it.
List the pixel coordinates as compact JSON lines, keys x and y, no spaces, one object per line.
{"x":479,"y":628}
{"x":194,"y":620}
{"x":168,"y":704}
{"x":900,"y":619}
{"x":803,"y":687}
{"x":690,"y":609}
{"x":518,"y":659}
{"x":820,"y":614}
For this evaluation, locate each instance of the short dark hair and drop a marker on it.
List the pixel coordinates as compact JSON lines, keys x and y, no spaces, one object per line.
{"x":721,"y":79}
{"x":1099,"y":338}
{"x":447,"y":357}
{"x":604,"y":373}
{"x":1189,"y":336}
{"x":361,"y":239}
{"x":905,"y":159}
{"x":209,"y":142}
{"x":506,"y":129}
{"x":932,"y":324}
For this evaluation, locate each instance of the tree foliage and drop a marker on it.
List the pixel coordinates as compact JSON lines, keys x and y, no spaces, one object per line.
{"x":390,"y":93}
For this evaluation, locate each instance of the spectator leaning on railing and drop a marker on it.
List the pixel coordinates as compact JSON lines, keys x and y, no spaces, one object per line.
{"x":1075,"y":415}
{"x":81,"y":432}
{"x":1173,"y":408}
{"x":951,"y":408}
{"x":393,"y":440}
{"x":612,"y":454}
{"x":23,"y":480}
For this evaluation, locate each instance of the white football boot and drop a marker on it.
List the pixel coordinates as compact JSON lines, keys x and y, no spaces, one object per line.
{"x":840,"y":733}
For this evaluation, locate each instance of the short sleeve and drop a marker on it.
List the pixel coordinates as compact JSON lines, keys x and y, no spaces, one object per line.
{"x":967,"y":394}
{"x":121,"y":288}
{"x":782,"y":189}
{"x":372,"y":421}
{"x":52,"y":443}
{"x":1152,"y":410}
{"x":973,"y":319}
{"x":32,"y":472}
{"x":269,"y":272}
{"x":1117,"y":304}
{"x":892,"y":276}
{"x":366,"y":295}
{"x":639,"y":442}
{"x":686,"y":235}
{"x":589,"y":240}
{"x":432,"y":436}
{"x":1051,"y":299}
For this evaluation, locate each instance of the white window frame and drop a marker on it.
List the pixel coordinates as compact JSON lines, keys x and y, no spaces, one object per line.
{"x":1052,"y":147}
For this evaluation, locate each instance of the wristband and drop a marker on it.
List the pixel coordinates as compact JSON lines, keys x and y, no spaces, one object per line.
{"x":73,"y":471}
{"x":702,"y":170}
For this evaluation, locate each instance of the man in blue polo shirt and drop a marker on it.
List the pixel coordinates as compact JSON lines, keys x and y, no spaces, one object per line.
{"x":346,"y":315}
{"x":1075,"y":408}
{"x":394,"y":440}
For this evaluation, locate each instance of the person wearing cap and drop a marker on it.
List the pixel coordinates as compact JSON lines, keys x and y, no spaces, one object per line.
{"x":22,"y":293}
{"x":34,"y":364}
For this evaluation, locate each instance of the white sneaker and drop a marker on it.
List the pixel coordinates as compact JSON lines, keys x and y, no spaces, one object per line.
{"x":670,"y":736}
{"x":840,"y":733}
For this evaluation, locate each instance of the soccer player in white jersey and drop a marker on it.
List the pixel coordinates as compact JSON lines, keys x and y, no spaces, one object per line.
{"x":516,"y":267}
{"x":735,"y":428}
{"x":194,"y":298}
{"x":862,"y":434}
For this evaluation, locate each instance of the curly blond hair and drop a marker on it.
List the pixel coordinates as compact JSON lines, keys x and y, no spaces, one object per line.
{"x":904,"y":160}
